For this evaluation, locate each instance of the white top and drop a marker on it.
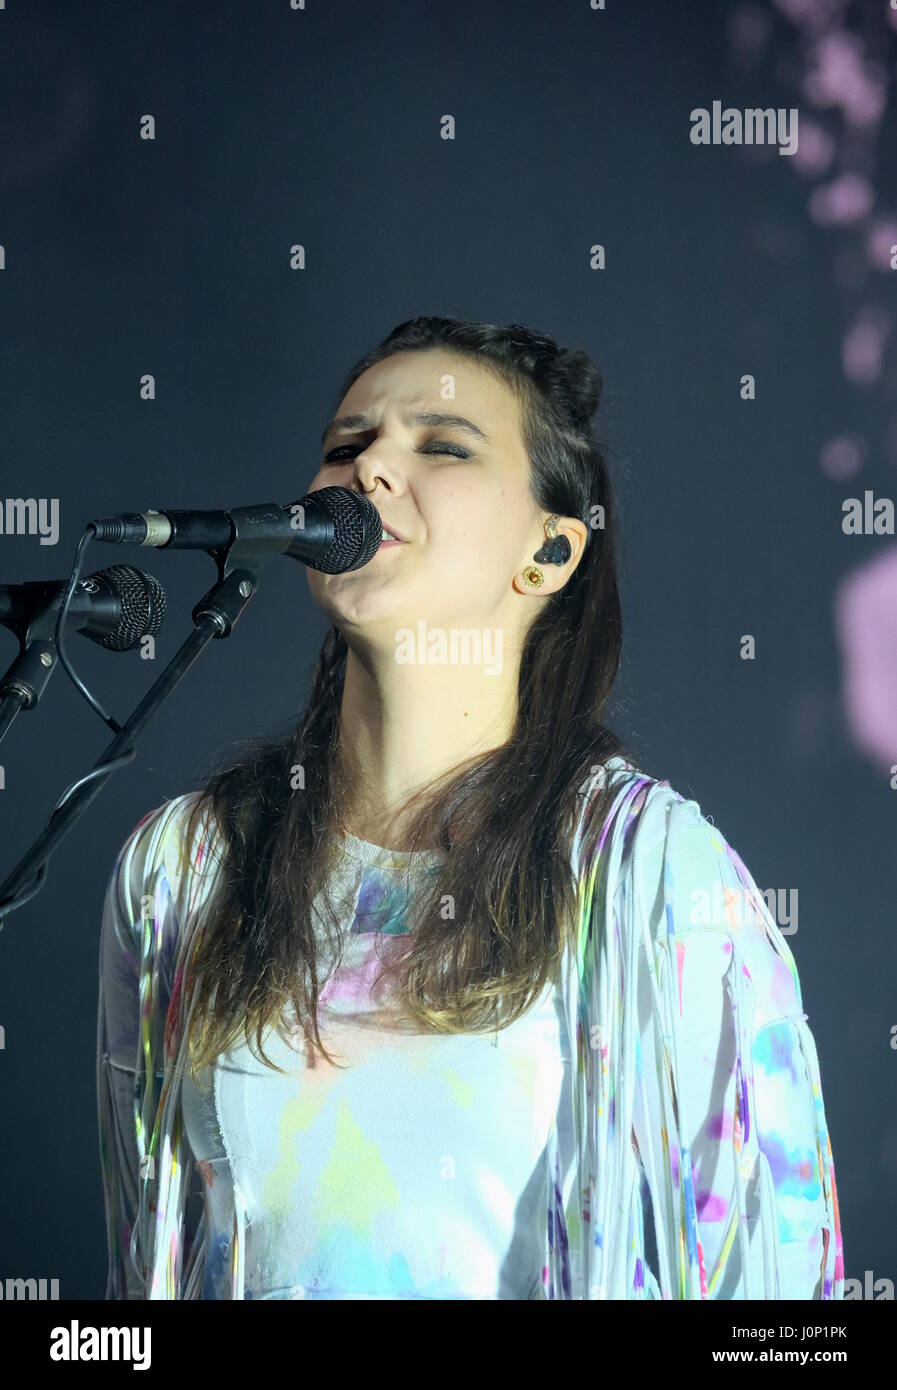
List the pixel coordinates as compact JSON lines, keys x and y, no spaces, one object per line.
{"x":418,"y":1171}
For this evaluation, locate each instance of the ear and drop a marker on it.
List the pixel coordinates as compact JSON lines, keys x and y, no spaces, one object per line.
{"x":556,"y":576}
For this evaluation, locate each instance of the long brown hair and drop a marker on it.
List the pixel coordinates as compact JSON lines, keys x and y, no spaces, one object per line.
{"x":504,"y":819}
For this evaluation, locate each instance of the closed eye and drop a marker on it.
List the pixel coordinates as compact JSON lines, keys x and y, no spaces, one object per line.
{"x":438,"y":447}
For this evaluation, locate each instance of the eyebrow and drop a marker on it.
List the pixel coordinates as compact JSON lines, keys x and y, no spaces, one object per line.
{"x":422,"y":417}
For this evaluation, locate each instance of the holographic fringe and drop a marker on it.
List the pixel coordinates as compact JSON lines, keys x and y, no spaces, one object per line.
{"x":596,"y":1229}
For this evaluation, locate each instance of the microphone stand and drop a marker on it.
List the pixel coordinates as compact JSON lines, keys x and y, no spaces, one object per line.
{"x":23,"y":683}
{"x":215,"y":615}
{"x":13,"y":700}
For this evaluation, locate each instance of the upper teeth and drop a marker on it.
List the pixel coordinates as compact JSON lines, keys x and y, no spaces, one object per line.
{"x":388,"y":536}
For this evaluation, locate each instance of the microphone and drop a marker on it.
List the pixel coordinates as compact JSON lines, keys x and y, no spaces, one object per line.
{"x":332,"y":529}
{"x":115,"y":607}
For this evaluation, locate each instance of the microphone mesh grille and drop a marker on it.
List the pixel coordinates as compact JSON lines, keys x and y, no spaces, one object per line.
{"x":356,"y":534}
{"x":142,"y":606}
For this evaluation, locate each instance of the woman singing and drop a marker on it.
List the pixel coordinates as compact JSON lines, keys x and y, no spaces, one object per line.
{"x":439,"y":995}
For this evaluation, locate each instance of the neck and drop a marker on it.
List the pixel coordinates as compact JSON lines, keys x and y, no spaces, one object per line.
{"x":407,"y":725}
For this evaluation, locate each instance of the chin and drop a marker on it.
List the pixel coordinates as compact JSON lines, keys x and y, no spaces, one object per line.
{"x":358,"y":610}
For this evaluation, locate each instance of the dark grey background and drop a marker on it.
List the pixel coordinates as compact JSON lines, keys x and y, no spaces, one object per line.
{"x":277,"y":127}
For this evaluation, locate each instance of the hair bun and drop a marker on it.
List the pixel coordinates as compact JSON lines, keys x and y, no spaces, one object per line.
{"x":574,"y":376}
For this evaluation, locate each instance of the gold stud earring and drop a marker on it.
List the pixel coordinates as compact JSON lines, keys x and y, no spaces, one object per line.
{"x":534,"y":576}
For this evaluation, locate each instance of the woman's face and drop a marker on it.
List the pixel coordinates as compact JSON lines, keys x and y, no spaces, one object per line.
{"x":458,"y":496}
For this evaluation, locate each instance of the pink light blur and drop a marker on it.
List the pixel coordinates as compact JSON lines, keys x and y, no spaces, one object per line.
{"x":866,"y":628}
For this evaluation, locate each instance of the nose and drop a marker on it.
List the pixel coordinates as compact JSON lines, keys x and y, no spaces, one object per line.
{"x":372,"y":466}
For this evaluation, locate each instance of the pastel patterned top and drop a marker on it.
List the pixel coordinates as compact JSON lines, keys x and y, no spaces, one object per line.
{"x":653,"y":1127}
{"x":415,"y":1173}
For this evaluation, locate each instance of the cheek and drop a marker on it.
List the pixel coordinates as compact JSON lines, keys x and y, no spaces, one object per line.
{"x":466,"y":541}
{"x":466,"y":516}
{"x":472,"y":560}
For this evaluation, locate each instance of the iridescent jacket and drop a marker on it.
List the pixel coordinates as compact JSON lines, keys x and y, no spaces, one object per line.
{"x":701,"y":1164}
